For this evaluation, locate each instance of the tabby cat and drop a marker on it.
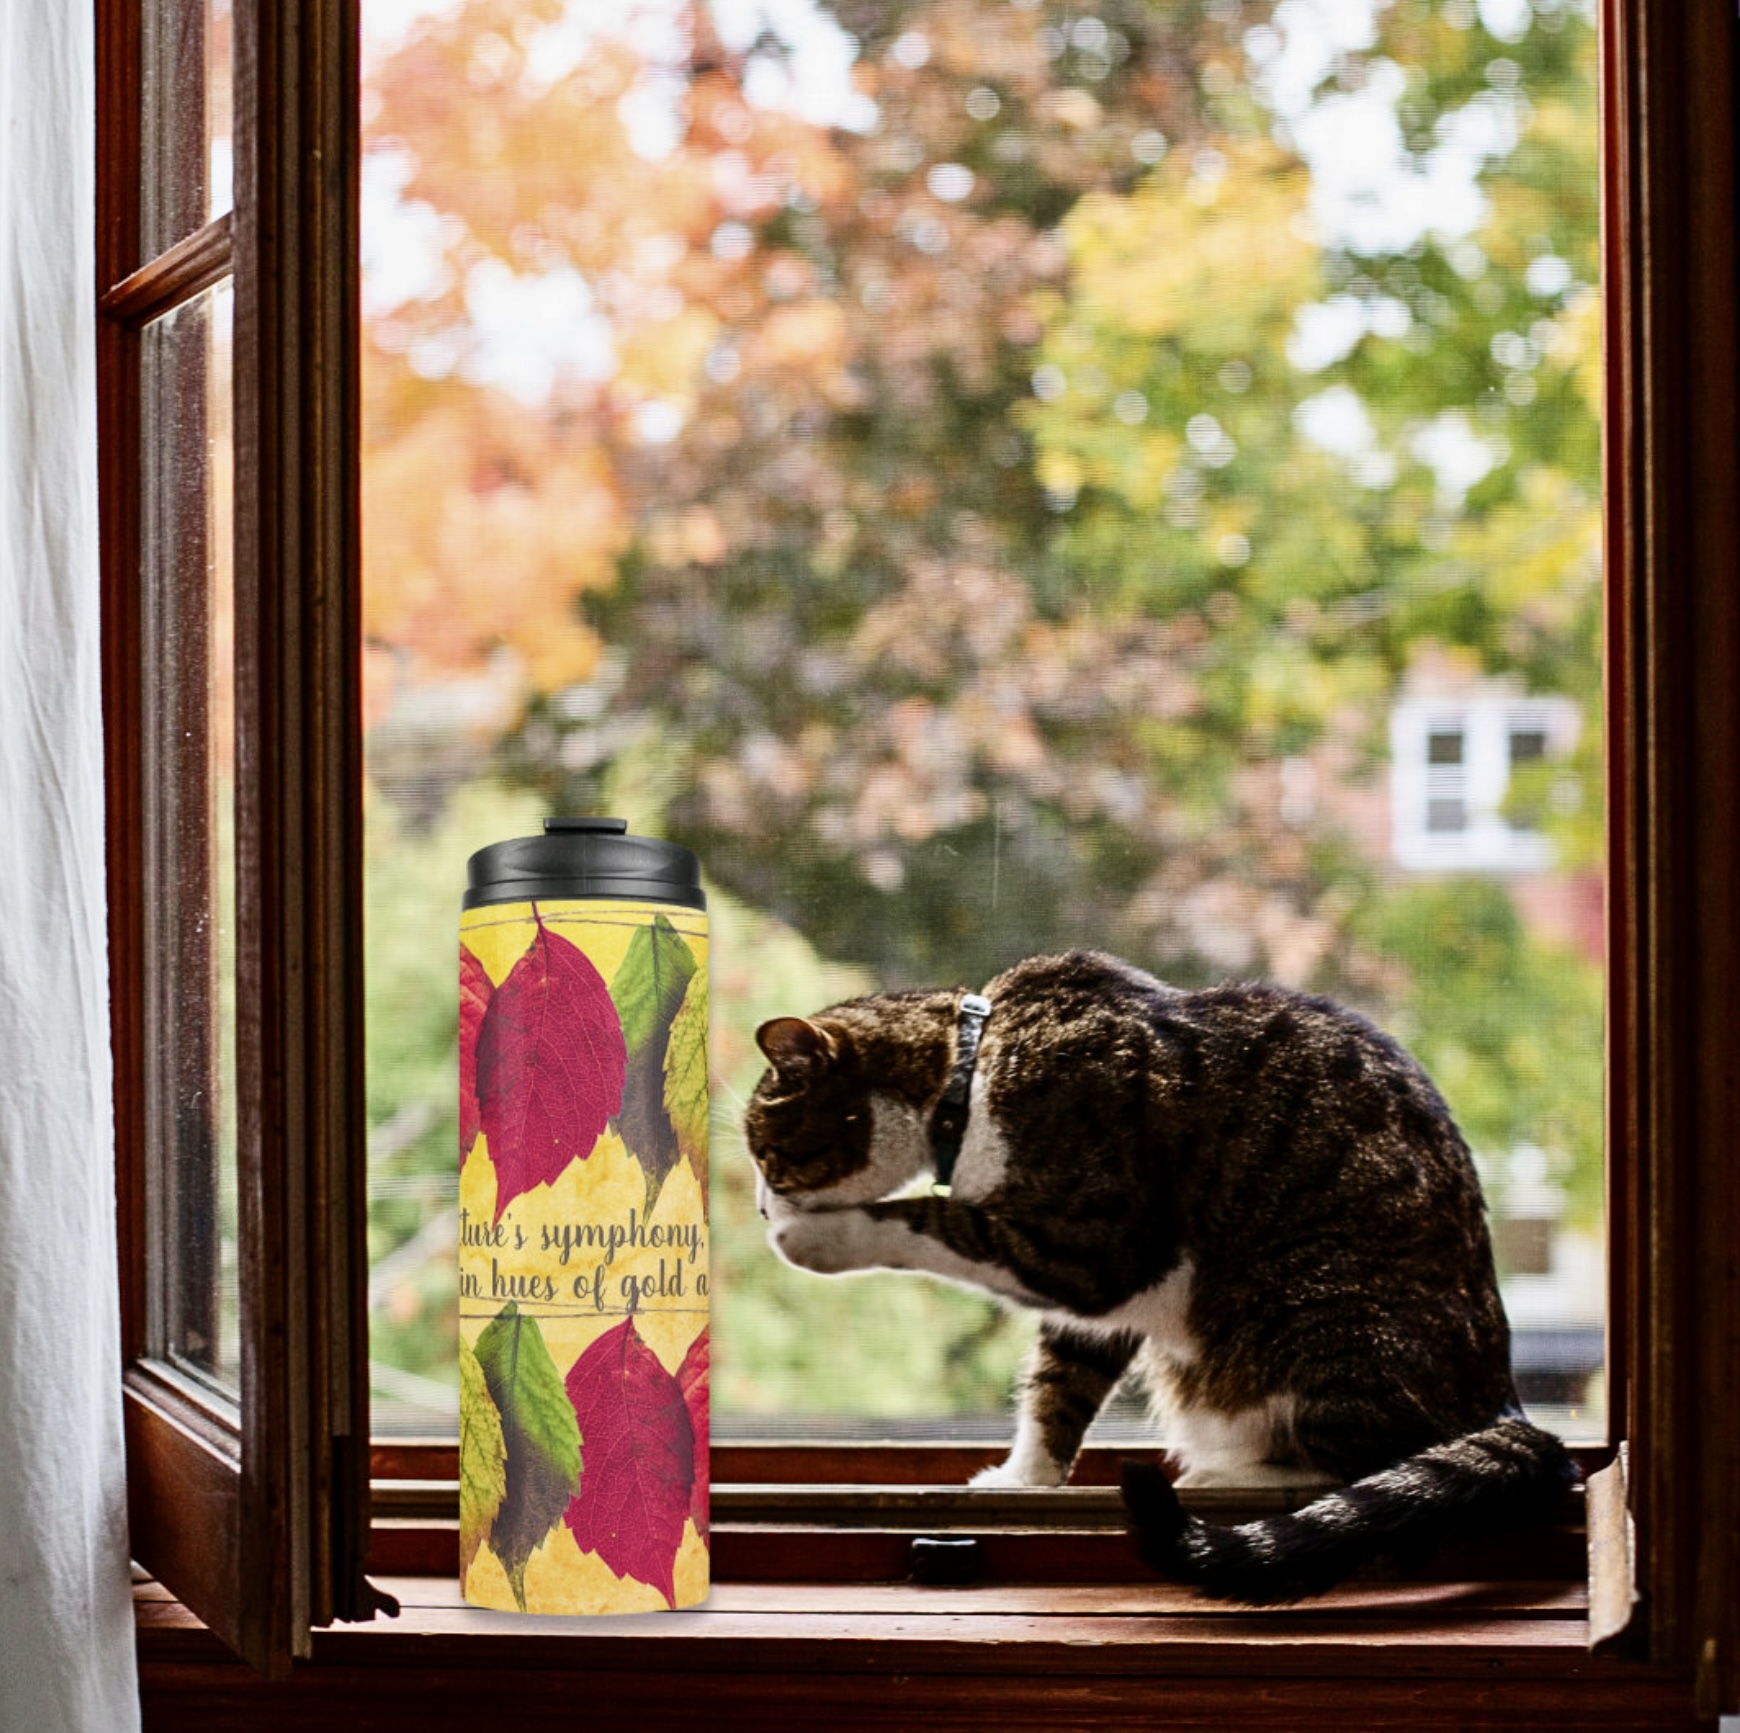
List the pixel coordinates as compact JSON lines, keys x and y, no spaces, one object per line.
{"x":1251,"y":1196}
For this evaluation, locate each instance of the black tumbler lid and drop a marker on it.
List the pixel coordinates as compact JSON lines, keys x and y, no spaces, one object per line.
{"x":584,"y":857}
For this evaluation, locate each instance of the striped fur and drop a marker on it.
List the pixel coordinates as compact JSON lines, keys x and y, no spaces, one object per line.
{"x":1505,"y":1477}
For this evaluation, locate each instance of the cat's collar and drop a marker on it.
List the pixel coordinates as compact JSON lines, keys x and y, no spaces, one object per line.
{"x":948,"y":1119}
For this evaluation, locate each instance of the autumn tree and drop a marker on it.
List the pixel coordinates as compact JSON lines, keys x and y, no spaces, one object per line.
{"x":976,"y":512}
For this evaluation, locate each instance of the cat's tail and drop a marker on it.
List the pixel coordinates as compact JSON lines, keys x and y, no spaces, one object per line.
{"x":1507,"y":1476}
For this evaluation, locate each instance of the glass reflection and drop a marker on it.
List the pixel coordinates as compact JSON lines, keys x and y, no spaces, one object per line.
{"x":188,"y":156}
{"x":190,"y":843}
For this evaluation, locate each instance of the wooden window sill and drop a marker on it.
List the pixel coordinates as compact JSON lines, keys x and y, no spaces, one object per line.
{"x":818,"y":1534}
{"x":811,"y":1622}
{"x":1419,"y":1655}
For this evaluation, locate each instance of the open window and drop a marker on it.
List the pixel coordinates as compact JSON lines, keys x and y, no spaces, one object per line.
{"x":245,"y":1414}
{"x":227,"y":227}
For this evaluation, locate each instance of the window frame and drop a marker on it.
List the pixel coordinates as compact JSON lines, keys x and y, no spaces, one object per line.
{"x":1672,"y":451}
{"x":257,"y":1519}
{"x":1665,"y":1541}
{"x":1672,"y":1596}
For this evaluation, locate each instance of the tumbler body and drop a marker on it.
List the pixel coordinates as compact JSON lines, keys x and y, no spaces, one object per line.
{"x":583,"y":1272}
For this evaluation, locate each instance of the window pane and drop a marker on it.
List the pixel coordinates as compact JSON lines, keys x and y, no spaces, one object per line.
{"x":996,"y":477}
{"x":188,"y":54}
{"x":190,"y":846}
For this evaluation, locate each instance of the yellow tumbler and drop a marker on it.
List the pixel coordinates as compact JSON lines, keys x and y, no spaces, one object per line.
{"x":583,"y":1304}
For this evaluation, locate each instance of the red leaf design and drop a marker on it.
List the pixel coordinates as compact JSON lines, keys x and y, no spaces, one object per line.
{"x":692,"y":1381}
{"x":550,"y":1064}
{"x":475,"y":991}
{"x":640,"y":1459}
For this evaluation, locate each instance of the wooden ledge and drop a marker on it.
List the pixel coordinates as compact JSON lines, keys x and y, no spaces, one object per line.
{"x":905,"y":1504}
{"x":802,"y":1532}
{"x":1420,"y":1655}
{"x":803,"y":1463}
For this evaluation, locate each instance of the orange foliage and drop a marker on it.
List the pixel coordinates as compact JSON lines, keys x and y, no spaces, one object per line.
{"x":482,"y":526}
{"x":486,"y":519}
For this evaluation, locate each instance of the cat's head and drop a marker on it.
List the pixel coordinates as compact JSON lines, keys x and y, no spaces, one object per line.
{"x":823,"y":1136}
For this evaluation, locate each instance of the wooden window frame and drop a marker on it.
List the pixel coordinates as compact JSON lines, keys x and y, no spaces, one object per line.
{"x":257,"y":1520}
{"x":1666,"y":1553}
{"x":1666,"y":1564}
{"x":1670,"y":1594}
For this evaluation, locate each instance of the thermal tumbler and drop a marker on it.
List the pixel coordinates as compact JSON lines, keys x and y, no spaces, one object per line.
{"x":583,"y":1223}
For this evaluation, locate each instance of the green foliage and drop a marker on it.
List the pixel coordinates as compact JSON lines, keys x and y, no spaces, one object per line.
{"x":1508,"y":1026}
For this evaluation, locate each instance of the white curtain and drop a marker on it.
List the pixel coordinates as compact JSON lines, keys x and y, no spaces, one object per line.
{"x":66,"y":1623}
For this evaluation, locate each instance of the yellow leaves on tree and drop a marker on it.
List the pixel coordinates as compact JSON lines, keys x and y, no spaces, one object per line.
{"x":1216,"y":241}
{"x":1207,"y":260}
{"x":500,"y":147}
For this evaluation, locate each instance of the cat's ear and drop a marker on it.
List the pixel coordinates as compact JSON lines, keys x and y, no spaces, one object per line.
{"x":792,"y":1041}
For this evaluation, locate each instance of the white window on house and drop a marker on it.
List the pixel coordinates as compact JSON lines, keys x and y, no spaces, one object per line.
{"x":1451,"y":760}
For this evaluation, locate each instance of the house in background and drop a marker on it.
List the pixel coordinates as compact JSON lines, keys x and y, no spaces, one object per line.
{"x":1457,"y":740}
{"x":1452,"y":756}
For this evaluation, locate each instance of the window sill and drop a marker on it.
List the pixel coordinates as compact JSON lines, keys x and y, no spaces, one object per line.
{"x":1418,"y":1655}
{"x":812,"y":1622}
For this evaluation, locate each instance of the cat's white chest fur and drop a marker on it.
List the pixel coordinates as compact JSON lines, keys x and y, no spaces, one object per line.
{"x":1160,"y":1315}
{"x":1212,"y":1447}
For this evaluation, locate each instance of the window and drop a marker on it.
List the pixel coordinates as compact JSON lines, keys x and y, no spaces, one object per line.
{"x":1464,"y":774}
{"x":1004,"y":478}
{"x":226,"y":235}
{"x":1674,"y":624}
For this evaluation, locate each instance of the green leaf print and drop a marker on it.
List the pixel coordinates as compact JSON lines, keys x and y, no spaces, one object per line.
{"x":540,"y":1434}
{"x":650,"y":983}
{"x":649,"y":990}
{"x":482,"y":1459}
{"x":686,"y":1076}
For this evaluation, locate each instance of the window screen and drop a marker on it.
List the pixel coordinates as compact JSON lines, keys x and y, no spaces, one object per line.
{"x":992,"y":476}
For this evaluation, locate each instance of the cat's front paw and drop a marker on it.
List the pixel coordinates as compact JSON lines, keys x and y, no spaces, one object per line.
{"x":1037,"y":1471}
{"x":826,"y":1242}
